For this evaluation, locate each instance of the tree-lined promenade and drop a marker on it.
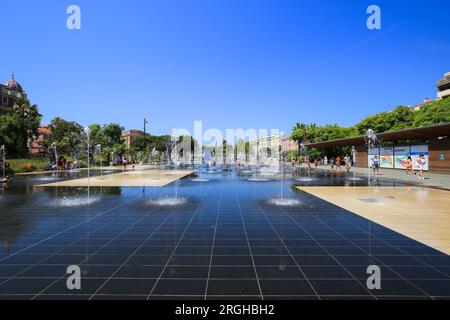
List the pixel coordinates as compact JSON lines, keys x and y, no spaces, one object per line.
{"x":19,"y":128}
{"x":402,"y":117}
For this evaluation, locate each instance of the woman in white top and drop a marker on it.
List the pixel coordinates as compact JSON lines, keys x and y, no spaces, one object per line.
{"x":421,"y":161}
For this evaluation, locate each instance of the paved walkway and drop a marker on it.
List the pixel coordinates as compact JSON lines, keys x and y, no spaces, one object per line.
{"x":418,"y":213}
{"x":435,"y":180}
{"x":136,"y":178}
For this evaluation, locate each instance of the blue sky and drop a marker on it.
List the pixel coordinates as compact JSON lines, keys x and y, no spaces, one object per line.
{"x":230,"y":63}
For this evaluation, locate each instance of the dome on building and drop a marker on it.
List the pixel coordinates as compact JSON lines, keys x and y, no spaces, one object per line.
{"x":13,"y":85}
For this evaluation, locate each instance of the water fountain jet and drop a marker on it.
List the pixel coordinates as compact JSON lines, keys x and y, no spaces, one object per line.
{"x":282,"y":201}
{"x":53,"y":161}
{"x":98,"y":152}
{"x":74,"y":201}
{"x":200,"y":180}
{"x":3,"y":160}
{"x":168,"y":202}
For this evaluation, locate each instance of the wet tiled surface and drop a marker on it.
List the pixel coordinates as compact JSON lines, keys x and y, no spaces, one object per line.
{"x":419,"y":213}
{"x":224,"y":239}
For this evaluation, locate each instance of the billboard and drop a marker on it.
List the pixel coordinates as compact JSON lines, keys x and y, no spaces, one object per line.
{"x":387,"y":157}
{"x":401,"y":154}
{"x":417,"y":150}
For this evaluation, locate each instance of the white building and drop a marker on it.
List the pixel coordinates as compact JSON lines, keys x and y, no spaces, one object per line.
{"x":443,"y":86}
{"x":266,"y":150}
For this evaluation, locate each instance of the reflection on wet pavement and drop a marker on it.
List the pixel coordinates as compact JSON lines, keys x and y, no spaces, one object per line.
{"x":224,"y":237}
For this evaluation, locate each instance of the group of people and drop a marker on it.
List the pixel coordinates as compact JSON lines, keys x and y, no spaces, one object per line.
{"x":296,"y":162}
{"x":336,"y":163}
{"x":125,"y":163}
{"x":421,"y":162}
{"x":63,"y":163}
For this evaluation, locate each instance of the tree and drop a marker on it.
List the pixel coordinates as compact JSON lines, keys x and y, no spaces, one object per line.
{"x":18,"y":127}
{"x":109,"y":137}
{"x":400,"y":118}
{"x":302,"y":133}
{"x":307,"y":133}
{"x":96,"y":134}
{"x":150,"y":142}
{"x":112,"y":134}
{"x":437,"y":112}
{"x":67,"y":135}
{"x":331,"y":132}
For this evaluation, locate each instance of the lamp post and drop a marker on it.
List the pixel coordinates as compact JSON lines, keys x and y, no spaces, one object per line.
{"x":145,"y":126}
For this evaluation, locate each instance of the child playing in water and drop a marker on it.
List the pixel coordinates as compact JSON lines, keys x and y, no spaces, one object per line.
{"x":348,"y":163}
{"x":409,"y":165}
{"x":421,"y":161}
{"x":338,"y":163}
{"x":308,"y":164}
{"x":294,"y":166}
{"x":376,"y":165}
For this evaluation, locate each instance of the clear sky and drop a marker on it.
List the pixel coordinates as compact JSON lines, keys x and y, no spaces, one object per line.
{"x":230,"y":63}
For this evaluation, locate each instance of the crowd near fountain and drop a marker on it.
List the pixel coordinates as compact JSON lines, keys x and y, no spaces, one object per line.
{"x":259,"y":166}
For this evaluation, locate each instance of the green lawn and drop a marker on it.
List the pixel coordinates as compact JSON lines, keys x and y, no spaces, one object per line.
{"x":35,"y":164}
{"x":27,"y":165}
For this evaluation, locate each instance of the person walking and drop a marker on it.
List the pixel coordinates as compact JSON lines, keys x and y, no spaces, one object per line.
{"x":124,"y":163}
{"x":421,"y":161}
